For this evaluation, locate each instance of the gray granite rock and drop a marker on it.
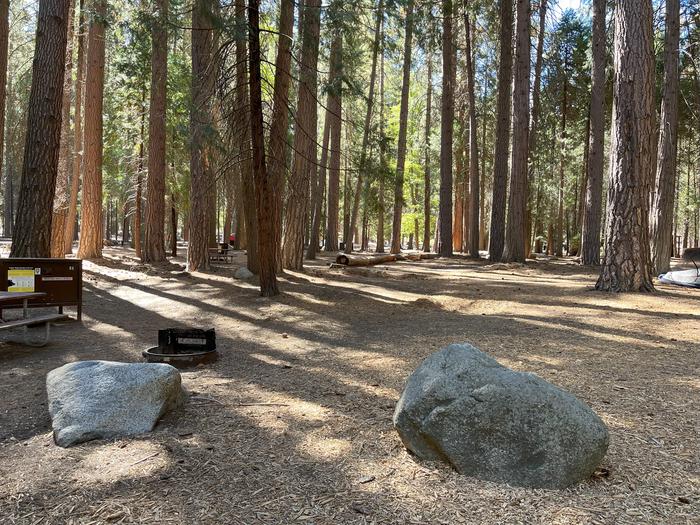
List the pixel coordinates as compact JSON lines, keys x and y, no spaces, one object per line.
{"x":103,"y":399}
{"x":490,"y":422}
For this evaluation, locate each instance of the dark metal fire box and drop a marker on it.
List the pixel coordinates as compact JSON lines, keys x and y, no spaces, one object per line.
{"x":60,"y":279}
{"x":183,"y":347}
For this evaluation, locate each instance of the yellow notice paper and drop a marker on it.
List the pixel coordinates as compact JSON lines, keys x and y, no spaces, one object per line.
{"x":20,"y":280}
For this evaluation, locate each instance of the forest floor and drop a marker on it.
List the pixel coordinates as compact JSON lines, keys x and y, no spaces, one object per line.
{"x":293,"y":424}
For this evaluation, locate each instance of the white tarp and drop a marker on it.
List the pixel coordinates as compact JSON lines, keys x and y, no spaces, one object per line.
{"x":689,"y":278}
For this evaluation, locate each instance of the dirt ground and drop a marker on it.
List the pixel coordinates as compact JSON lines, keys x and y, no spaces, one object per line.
{"x":293,"y":423}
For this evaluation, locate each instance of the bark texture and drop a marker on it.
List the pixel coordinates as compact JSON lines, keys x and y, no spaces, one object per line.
{"x":305,"y":152}
{"x":77,"y":134}
{"x":359,"y":191}
{"x":200,"y":122}
{"x":61,"y":199}
{"x":335,"y":107}
{"x":241,"y":124}
{"x":32,"y":232}
{"x":264,"y":185}
{"x":277,"y":166}
{"x":154,"y":238}
{"x":403,"y":131}
{"x":474,"y":193}
{"x":664,"y":196}
{"x":503,"y":116}
{"x":627,"y":262}
{"x":517,"y":202}
{"x":590,"y":235}
{"x":426,"y":161}
{"x":446,"y":131}
{"x":4,"y":42}
{"x":91,"y":232}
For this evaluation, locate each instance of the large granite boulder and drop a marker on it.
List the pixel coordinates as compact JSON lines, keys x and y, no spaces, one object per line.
{"x":104,"y":400}
{"x":462,"y":407}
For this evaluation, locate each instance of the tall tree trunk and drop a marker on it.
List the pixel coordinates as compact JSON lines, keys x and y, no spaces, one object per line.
{"x":277,"y":165}
{"x":319,"y":189}
{"x":138,"y":199}
{"x":662,"y":209}
{"x":534,"y":120}
{"x":264,"y":185}
{"x":627,"y":261}
{"x":458,"y":152}
{"x":173,"y":226}
{"x":590,"y":236}
{"x":335,"y":107}
{"x":76,"y":176}
{"x":446,"y":131}
{"x":4,"y":43}
{"x":517,"y":202}
{"x":61,"y":199}
{"x":304,"y":168}
{"x":32,"y":232}
{"x":503,"y":116}
{"x":381,"y":211}
{"x":426,"y":168}
{"x":559,"y":237}
{"x":473,"y":145}
{"x":154,"y":241}
{"x":91,"y":234}
{"x":359,"y":192}
{"x":241,"y":125}
{"x":202,"y":181}
{"x":403,"y":131}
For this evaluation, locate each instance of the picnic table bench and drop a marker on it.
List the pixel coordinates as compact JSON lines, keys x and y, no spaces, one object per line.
{"x":26,"y":321}
{"x":224,"y":253}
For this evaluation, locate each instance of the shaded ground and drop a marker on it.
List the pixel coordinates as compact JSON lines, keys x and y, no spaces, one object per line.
{"x":293,"y":424}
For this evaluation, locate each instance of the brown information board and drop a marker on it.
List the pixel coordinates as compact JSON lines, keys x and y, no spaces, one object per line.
{"x":60,"y":279}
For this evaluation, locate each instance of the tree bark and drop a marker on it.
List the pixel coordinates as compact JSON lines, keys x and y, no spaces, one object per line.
{"x":201,"y":179}
{"x":277,"y":165}
{"x":91,"y":233}
{"x":305,"y":150}
{"x":446,"y":131}
{"x":535,"y":111}
{"x":559,"y":237}
{"x":264,"y":185}
{"x":138,"y":199}
{"x":517,"y":203}
{"x":381,"y":211}
{"x":32,"y":232}
{"x":590,"y":236}
{"x":78,"y":142}
{"x":627,"y":261}
{"x":241,"y":125}
{"x":61,"y":199}
{"x":359,"y":192}
{"x":474,"y":192}
{"x":503,"y":116}
{"x":403,"y":131}
{"x":335,"y":107}
{"x":4,"y":43}
{"x":320,"y":189}
{"x":426,"y":168}
{"x":662,"y":209}
{"x":154,"y":238}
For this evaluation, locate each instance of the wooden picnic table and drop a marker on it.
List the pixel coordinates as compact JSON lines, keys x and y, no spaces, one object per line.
{"x":26,"y":321}
{"x":13,"y":297}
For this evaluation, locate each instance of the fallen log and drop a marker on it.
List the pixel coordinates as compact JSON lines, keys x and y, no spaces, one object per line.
{"x":347,"y":259}
{"x":356,"y":259}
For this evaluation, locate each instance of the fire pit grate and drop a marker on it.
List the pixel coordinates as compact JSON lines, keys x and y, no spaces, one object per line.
{"x":183,"y":347}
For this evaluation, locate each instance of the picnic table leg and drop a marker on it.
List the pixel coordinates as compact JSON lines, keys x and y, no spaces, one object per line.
{"x":24,"y":308}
